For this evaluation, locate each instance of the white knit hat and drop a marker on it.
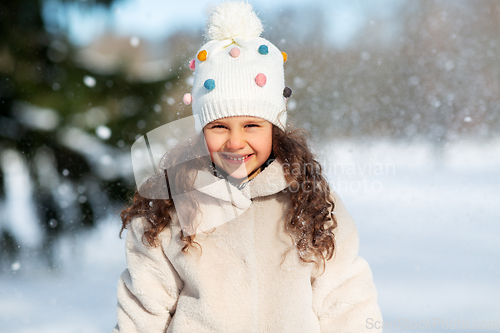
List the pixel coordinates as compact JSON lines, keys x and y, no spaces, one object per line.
{"x":238,"y":73}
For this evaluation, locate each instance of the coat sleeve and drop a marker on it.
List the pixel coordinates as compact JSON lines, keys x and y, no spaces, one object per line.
{"x":149,"y":288}
{"x":344,"y":296}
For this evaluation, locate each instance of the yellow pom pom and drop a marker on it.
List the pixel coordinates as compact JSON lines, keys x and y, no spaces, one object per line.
{"x":202,"y":56}
{"x":285,"y":56}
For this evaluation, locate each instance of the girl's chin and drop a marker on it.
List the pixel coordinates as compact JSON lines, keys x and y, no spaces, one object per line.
{"x":238,"y":177}
{"x":238,"y":174}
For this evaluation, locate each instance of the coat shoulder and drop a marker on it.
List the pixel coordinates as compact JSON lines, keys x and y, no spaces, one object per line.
{"x":139,"y":225}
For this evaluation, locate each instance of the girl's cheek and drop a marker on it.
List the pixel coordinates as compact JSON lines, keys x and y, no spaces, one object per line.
{"x":211,"y":142}
{"x":212,"y":157}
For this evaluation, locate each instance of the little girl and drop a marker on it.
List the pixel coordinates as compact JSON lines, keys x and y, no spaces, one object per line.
{"x":247,"y":235}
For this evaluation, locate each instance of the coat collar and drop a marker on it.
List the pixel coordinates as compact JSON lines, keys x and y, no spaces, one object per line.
{"x":270,"y":181}
{"x":221,"y":202}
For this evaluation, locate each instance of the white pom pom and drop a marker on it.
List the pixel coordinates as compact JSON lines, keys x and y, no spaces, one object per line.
{"x":233,"y":19}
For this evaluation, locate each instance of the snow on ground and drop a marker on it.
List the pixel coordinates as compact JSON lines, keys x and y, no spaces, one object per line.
{"x":429,"y":229}
{"x":79,"y":298}
{"x":428,"y":226}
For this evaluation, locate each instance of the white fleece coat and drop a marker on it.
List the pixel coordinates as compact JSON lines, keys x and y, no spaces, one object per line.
{"x":242,"y":281}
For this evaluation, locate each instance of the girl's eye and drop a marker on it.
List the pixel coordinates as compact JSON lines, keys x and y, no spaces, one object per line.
{"x":218,"y":126}
{"x":252,"y":125}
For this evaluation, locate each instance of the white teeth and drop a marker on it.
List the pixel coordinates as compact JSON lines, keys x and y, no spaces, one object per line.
{"x":237,"y":159}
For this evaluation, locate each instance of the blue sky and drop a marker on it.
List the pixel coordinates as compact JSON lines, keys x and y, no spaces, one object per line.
{"x":156,"y":19}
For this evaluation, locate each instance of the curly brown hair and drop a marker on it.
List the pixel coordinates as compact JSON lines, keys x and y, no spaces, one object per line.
{"x":309,"y":220}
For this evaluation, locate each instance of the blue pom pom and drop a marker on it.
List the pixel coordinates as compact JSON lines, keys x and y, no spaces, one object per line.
{"x":263,"y":49}
{"x":209,"y":84}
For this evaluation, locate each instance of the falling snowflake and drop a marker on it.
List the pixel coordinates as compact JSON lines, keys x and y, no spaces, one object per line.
{"x":103,"y":132}
{"x":89,"y":81}
{"x":135,"y":41}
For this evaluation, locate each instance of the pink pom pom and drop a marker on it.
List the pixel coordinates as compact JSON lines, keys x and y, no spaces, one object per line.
{"x":260,"y":79}
{"x":235,"y":52}
{"x":187,"y":99}
{"x":192,"y":65}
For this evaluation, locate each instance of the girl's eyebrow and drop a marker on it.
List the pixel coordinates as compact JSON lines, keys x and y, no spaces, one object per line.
{"x":216,"y":123}
{"x":244,"y":122}
{"x":254,"y":121}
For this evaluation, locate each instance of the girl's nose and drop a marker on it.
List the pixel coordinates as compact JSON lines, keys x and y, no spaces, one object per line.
{"x":235,"y":141}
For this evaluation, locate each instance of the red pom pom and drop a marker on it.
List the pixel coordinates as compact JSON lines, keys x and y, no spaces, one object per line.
{"x":187,"y":99}
{"x":235,"y":52}
{"x":192,"y":64}
{"x":261,"y":80}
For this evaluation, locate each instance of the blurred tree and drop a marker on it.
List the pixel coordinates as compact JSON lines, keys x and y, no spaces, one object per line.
{"x":447,"y":71}
{"x":428,"y":72}
{"x":73,"y":126}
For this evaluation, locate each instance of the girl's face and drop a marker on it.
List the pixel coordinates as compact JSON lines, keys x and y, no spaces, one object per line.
{"x":239,"y":145}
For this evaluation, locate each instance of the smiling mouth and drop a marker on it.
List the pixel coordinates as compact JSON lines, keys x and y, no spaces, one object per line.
{"x":237,"y":158}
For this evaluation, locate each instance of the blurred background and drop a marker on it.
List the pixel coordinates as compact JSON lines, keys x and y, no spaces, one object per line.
{"x":401,"y":97}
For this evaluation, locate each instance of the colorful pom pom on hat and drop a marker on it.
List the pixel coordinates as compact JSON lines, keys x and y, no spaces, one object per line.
{"x":238,"y":73}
